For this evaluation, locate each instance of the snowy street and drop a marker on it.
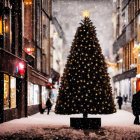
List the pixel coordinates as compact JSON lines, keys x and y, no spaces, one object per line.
{"x":77,"y":57}
{"x":42,"y":126}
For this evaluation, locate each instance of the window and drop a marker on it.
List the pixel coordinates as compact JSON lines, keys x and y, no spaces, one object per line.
{"x":44,"y":31}
{"x":43,"y":63}
{"x":36,"y":94}
{"x":0,"y":25}
{"x":38,"y":59}
{"x":30,"y":93}
{"x":9,"y":92}
{"x":13,"y":91}
{"x":45,"y":5}
{"x":7,"y":33}
{"x":6,"y":92}
{"x":38,"y":23}
{"x":33,"y":94}
{"x":129,"y":62}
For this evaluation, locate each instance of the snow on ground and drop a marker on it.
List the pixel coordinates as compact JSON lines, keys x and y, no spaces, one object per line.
{"x":42,"y":126}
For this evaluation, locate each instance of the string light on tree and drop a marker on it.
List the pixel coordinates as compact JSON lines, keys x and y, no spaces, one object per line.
{"x":85,"y":85}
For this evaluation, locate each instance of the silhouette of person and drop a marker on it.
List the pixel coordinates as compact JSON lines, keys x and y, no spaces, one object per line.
{"x":48,"y":105}
{"x":120,"y":101}
{"x":125,"y":98}
{"x":136,"y":107}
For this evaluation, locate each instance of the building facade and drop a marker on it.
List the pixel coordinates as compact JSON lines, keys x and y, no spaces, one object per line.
{"x":25,"y":57}
{"x":57,"y":53}
{"x":126,"y":47}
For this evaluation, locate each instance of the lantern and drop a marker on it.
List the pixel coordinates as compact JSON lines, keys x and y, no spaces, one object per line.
{"x":29,"y":50}
{"x":20,"y":68}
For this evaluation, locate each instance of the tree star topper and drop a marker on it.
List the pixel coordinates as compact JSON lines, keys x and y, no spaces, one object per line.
{"x":85,"y":13}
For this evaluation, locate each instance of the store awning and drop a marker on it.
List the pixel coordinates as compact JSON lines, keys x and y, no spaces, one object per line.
{"x":50,"y":86}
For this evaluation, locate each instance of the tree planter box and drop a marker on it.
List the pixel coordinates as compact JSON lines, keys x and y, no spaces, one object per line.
{"x":85,"y":123}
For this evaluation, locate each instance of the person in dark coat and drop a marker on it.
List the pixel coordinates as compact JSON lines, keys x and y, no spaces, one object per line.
{"x":120,"y":101}
{"x":125,"y":98}
{"x":48,"y":105}
{"x":136,"y":107}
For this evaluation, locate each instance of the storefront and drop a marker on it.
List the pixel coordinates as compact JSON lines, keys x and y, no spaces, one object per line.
{"x":126,"y":87}
{"x":12,"y":87}
{"x":37,"y":91}
{"x":9,"y":92}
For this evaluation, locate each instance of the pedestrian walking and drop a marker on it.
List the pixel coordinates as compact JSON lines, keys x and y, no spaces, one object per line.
{"x":136,"y":107}
{"x":125,"y":98}
{"x":120,"y":101}
{"x":48,"y":105}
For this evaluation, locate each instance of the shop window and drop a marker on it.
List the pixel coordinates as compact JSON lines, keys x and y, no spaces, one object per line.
{"x":13,"y":91}
{"x":6,"y":92}
{"x":36,"y":94}
{"x":33,"y":94}
{"x":9,"y":92}
{"x":30,"y":94}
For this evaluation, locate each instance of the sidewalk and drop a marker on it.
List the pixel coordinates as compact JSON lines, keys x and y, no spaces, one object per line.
{"x":127,"y":107}
{"x":116,"y":126}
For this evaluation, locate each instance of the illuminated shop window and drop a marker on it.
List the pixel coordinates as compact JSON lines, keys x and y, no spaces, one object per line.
{"x":30,"y":94}
{"x":6,"y":91}
{"x":9,"y":95}
{"x":36,"y":94}
{"x":13,"y":91}
{"x":33,"y":94}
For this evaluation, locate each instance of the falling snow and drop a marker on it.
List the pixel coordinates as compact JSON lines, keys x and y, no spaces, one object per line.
{"x":69,"y":13}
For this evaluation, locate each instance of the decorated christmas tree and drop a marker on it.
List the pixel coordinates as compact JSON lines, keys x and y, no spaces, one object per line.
{"x":85,"y":85}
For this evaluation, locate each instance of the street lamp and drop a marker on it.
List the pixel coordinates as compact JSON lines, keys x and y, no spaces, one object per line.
{"x":28,"y":46}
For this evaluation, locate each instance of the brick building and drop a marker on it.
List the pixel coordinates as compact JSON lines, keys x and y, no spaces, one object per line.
{"x":25,"y":56}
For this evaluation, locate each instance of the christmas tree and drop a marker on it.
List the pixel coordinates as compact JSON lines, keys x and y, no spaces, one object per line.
{"x":85,"y":85}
